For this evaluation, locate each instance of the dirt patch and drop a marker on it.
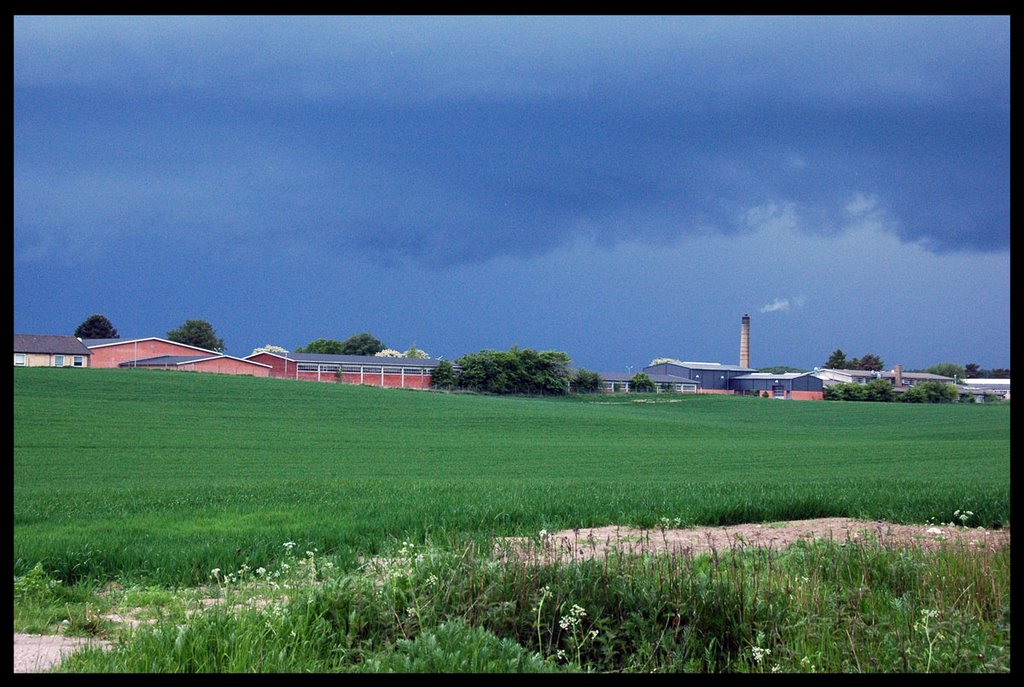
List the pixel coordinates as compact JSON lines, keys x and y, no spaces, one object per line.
{"x":598,"y":542}
{"x":40,"y":653}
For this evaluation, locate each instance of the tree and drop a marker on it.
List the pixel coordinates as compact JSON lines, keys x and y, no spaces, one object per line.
{"x":516,"y":371}
{"x":269,"y":348}
{"x":327,"y":346}
{"x":845,"y":392}
{"x":947,"y":370}
{"x":198,"y":333}
{"x":879,"y":390}
{"x":96,"y":327}
{"x":586,"y":381}
{"x":389,"y":353}
{"x":930,"y":392}
{"x":641,"y":382}
{"x":870,"y":361}
{"x":997,"y":373}
{"x":362,"y":344}
{"x":414,"y":352}
{"x":836,"y":361}
{"x":443,"y":376}
{"x":972,"y":371}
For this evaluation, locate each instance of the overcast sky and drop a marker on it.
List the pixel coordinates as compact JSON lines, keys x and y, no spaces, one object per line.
{"x":618,"y":188}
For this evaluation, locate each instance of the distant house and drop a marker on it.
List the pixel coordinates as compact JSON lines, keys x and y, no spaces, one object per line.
{"x":404,"y":373}
{"x":980,"y":389}
{"x":900,"y":380}
{"x":113,"y":352}
{"x":47,"y":350}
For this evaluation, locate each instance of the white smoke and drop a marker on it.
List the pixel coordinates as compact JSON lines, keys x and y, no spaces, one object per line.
{"x":783,"y":304}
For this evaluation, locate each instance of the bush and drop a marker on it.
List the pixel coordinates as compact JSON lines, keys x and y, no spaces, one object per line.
{"x":586,"y":381}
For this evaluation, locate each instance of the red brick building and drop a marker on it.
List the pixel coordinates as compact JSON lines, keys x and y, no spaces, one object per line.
{"x":156,"y":353}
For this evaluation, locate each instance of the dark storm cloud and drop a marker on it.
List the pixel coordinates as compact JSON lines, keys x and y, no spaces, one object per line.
{"x":454,"y":139}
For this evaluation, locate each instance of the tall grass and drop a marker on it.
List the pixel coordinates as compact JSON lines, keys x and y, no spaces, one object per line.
{"x":827,"y":606}
{"x":158,"y":477}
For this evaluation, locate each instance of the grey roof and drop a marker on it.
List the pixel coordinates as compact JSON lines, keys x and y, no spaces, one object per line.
{"x":855,"y":373}
{"x":161,"y":360}
{"x":919,"y":376}
{"x":772,"y":375}
{"x":357,"y":359}
{"x":49,"y":343}
{"x":707,"y":366}
{"x":656,"y":378}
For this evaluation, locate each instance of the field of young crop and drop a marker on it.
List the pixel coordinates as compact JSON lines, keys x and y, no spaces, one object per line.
{"x":207,"y":523}
{"x":160,"y":477}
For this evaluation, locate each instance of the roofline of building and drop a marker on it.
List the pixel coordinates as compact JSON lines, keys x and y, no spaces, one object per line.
{"x":149,"y":338}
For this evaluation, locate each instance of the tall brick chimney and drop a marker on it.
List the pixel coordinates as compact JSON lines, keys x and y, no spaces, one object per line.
{"x":897,"y":375}
{"x":745,"y":341}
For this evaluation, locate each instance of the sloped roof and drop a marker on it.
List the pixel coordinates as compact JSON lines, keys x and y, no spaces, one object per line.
{"x":163,"y":360}
{"x":706,"y":366}
{"x":656,"y":378}
{"x":97,"y":343}
{"x":49,"y":343}
{"x":771,"y":375}
{"x":335,"y":359}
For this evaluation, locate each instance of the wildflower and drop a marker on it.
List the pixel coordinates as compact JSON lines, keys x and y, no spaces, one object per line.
{"x":759,"y":653}
{"x":215,"y":573}
{"x":776,"y":668}
{"x":543,"y":534}
{"x":261,"y":570}
{"x":289,"y":545}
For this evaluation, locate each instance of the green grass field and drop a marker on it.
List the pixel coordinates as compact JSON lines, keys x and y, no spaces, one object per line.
{"x":147,"y":492}
{"x":160,"y":477}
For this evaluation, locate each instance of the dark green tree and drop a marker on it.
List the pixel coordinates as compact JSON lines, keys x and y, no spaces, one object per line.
{"x":586,"y":381}
{"x":641,"y":382}
{"x":516,"y":371}
{"x":443,"y":376}
{"x":879,"y":390}
{"x":362,"y":344}
{"x":972,"y":370}
{"x":997,"y":373}
{"x":845,"y":392}
{"x":96,"y":327}
{"x":930,"y":392}
{"x":870,"y":361}
{"x":197,"y":333}
{"x":836,"y":361}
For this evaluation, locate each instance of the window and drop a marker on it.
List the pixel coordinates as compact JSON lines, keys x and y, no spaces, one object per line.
{"x":58,"y":361}
{"x":19,"y":359}
{"x":78,"y":361}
